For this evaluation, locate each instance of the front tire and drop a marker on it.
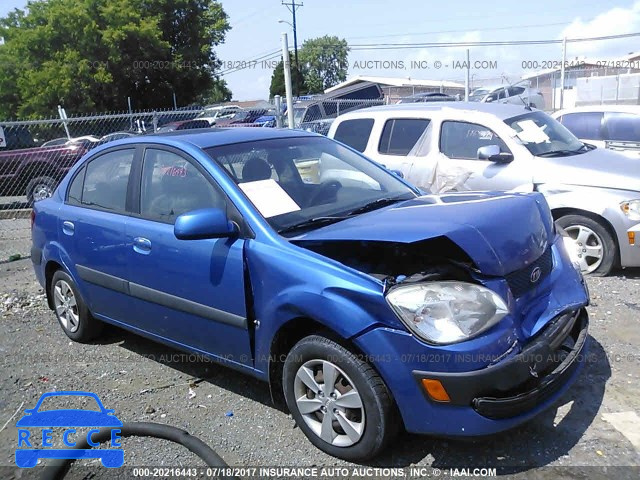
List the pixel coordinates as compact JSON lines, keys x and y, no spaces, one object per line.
{"x":590,"y":244}
{"x":71,"y":311}
{"x":338,"y":400}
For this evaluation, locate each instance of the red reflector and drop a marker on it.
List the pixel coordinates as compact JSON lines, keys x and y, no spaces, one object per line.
{"x":33,"y":218}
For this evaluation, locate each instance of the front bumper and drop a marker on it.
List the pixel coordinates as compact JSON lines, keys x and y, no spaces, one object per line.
{"x":630,"y":252}
{"x":517,"y":385}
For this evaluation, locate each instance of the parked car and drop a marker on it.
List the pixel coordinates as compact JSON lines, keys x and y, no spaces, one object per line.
{"x":14,"y":137}
{"x":616,"y":127}
{"x":242,"y":117}
{"x":367,"y":306}
{"x":428,"y":97}
{"x":317,"y":126}
{"x":515,"y":94}
{"x":87,"y":141}
{"x":218,"y":112}
{"x":594,"y":194}
{"x":36,"y":171}
{"x":113,"y":136}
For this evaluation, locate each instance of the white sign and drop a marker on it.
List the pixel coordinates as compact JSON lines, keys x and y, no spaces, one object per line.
{"x":531,"y":133}
{"x":269,"y":197}
{"x":3,"y":140}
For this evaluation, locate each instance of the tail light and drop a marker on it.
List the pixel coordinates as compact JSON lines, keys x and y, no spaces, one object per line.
{"x":33,"y":218}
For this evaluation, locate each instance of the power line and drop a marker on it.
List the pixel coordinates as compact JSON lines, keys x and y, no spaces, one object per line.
{"x":513,"y":27}
{"x":400,"y":46}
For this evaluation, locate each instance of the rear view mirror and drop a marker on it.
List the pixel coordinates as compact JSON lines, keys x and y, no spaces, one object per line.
{"x":204,"y":223}
{"x":397,"y":173}
{"x":493,"y":154}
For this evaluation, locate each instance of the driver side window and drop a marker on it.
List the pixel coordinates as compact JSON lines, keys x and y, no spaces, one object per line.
{"x":171,"y":186}
{"x":462,"y":140}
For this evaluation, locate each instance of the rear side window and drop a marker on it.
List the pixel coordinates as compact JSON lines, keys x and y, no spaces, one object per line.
{"x":516,"y":91}
{"x":75,"y":189}
{"x":399,"y":135}
{"x":587,"y":125}
{"x":106,"y":180}
{"x":622,"y":127}
{"x":355,"y":133}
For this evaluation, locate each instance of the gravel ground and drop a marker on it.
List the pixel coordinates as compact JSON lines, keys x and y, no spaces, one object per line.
{"x":233,"y":413}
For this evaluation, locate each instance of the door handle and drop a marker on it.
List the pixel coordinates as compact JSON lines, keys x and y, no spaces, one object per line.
{"x":142,"y":245}
{"x":68,"y":228}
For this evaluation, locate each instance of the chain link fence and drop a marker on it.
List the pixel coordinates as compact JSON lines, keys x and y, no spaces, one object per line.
{"x":35,"y":155}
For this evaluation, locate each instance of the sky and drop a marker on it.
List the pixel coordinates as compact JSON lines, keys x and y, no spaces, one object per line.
{"x":256,"y":32}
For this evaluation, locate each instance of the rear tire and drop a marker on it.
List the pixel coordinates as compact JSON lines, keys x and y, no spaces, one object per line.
{"x":353,"y":416}
{"x":40,"y":188}
{"x":71,"y":311}
{"x":591,"y":244}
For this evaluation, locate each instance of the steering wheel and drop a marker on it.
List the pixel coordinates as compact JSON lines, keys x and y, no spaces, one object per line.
{"x":325,"y":189}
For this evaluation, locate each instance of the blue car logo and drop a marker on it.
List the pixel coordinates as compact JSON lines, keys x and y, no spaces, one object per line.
{"x":68,"y":419}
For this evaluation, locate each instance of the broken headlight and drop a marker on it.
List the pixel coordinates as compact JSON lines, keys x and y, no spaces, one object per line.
{"x":446,"y":312}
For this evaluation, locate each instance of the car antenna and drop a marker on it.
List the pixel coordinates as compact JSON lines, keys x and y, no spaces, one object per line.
{"x":526,"y":105}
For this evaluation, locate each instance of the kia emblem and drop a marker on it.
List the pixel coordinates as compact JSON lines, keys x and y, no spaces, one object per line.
{"x":535,"y":275}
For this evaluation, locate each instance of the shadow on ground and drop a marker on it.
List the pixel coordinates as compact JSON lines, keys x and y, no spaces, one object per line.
{"x":537,"y":443}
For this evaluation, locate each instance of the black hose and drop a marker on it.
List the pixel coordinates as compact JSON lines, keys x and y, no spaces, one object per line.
{"x":58,"y":469}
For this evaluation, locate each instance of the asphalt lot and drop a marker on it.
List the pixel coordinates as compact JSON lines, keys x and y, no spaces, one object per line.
{"x":594,"y":425}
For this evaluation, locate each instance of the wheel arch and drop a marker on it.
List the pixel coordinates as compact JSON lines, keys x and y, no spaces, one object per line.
{"x":50,"y":269}
{"x":290,"y":333}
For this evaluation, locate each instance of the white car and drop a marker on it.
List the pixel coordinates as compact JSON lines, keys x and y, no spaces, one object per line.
{"x":616,"y":127}
{"x":594,"y":193}
{"x":516,"y":94}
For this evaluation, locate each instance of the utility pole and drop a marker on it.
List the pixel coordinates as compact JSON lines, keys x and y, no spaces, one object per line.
{"x":293,"y":6}
{"x":564,"y":60}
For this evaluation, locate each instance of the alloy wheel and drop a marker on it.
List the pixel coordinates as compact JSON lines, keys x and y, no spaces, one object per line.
{"x":329,"y":403}
{"x":585,"y":247}
{"x":66,"y":306}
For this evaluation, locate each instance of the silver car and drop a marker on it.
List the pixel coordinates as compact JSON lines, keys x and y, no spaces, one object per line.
{"x":594,"y":193}
{"x":516,"y":94}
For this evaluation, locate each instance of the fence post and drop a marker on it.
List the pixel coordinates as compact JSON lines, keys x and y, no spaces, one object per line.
{"x":278,"y":101}
{"x":617,"y":87}
{"x":155,"y":121}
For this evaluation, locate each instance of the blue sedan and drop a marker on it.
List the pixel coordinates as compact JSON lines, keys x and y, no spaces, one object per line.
{"x":365,"y":304}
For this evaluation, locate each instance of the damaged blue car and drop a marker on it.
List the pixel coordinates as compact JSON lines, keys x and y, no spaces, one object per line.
{"x":366,"y":305}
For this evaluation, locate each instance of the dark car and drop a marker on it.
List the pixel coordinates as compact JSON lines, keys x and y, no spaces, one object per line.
{"x":36,"y":171}
{"x":366,"y":305}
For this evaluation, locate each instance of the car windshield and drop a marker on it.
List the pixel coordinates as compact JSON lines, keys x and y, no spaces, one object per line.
{"x":308,"y":180}
{"x":545,"y":136}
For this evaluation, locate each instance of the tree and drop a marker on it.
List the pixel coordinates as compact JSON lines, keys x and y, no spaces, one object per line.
{"x":90,"y":55}
{"x":323,"y":62}
{"x":277,"y":81}
{"x":218,"y":93}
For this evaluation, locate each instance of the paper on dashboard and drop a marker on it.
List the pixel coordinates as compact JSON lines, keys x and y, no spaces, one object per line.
{"x":269,"y":198}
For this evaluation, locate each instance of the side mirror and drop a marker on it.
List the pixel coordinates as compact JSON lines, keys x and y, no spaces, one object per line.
{"x":397,"y":173}
{"x":204,"y":223}
{"x":493,"y":154}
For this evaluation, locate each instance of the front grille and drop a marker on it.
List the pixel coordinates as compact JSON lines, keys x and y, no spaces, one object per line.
{"x":521,"y":281}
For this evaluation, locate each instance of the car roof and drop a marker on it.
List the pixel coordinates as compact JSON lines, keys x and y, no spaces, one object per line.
{"x":499,"y":110}
{"x":600,"y":108}
{"x":213,"y":137}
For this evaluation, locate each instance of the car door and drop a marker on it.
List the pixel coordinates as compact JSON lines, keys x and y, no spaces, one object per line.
{"x":187,"y":291}
{"x":460,"y":141}
{"x":92,"y":230}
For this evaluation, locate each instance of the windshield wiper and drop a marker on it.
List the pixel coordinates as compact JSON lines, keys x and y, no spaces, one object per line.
{"x":561,"y":153}
{"x":379,"y":203}
{"x":312,"y":222}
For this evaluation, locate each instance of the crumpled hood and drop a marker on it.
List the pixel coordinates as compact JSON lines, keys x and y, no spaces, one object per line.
{"x":501,"y":233}
{"x":597,"y":168}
